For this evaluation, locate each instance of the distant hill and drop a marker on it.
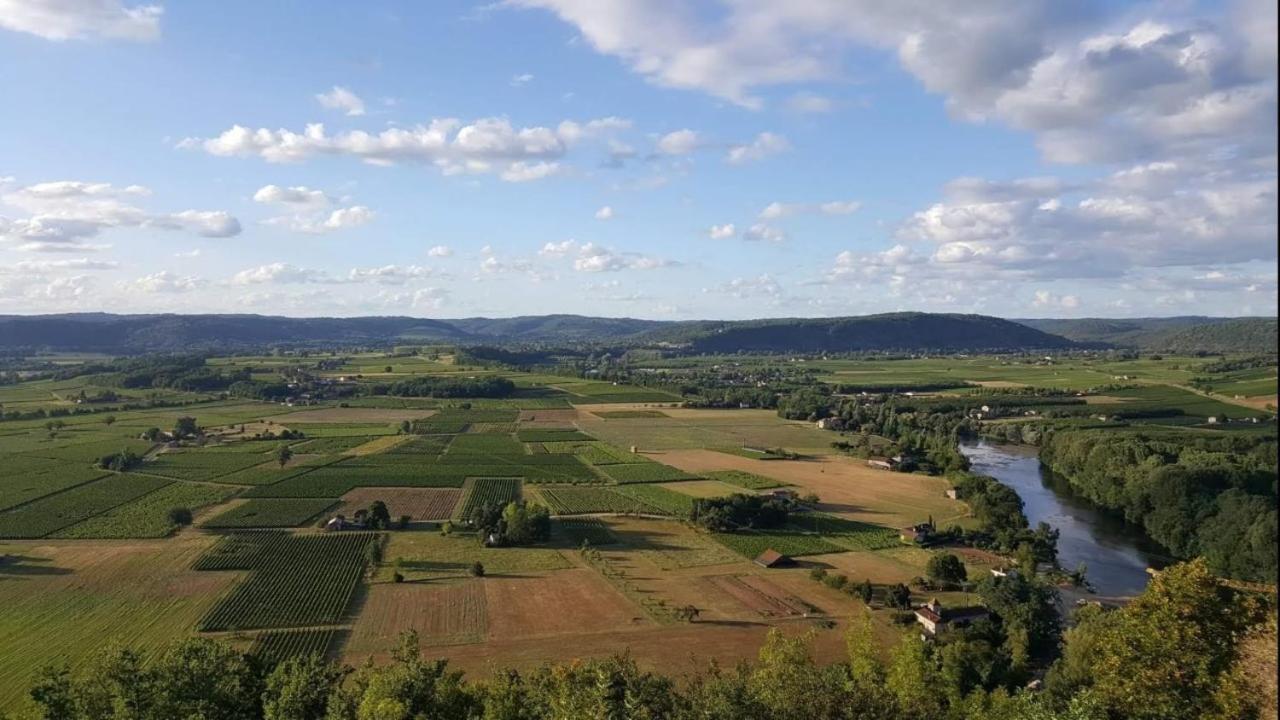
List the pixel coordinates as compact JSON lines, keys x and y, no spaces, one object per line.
{"x":101,"y":332}
{"x":556,"y":328}
{"x":891,"y":331}
{"x":131,"y":334}
{"x":1172,"y":334}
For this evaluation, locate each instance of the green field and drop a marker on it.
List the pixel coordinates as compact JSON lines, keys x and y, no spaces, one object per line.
{"x":482,"y":491}
{"x":271,"y":513}
{"x":55,"y":512}
{"x":147,"y":516}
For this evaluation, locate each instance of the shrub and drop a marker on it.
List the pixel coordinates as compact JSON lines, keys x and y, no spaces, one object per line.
{"x":835,"y":581}
{"x":477,"y":569}
{"x":817,"y":574}
{"x":179,"y":516}
{"x":397,"y":577}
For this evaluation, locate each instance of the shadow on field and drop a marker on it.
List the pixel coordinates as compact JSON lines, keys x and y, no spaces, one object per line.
{"x":17,"y":566}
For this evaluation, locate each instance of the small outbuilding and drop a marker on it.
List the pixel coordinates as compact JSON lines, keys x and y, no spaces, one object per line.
{"x":773,"y":559}
{"x":881,"y":463}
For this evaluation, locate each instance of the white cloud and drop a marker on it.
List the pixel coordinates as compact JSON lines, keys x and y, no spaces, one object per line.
{"x":297,"y":195}
{"x":389,"y":274}
{"x":163,"y":282}
{"x":81,"y":19}
{"x":679,"y":142}
{"x":279,"y":273}
{"x":765,"y":144}
{"x":322,"y":222}
{"x":807,"y":102}
{"x":1092,"y":82}
{"x":521,"y":79}
{"x":340,"y":98}
{"x":605,"y":213}
{"x":775,"y":210}
{"x":66,"y":215}
{"x":558,"y":249}
{"x":440,"y":251}
{"x":42,"y":266}
{"x":487,"y":145}
{"x":1046,"y":299}
{"x":762,"y":286}
{"x":720,"y":232}
{"x":765,"y":232}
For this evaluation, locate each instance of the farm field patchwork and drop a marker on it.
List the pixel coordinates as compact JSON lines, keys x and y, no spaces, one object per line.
{"x":742,"y":479}
{"x":43,"y":479}
{"x":432,"y":556}
{"x":645,"y":473}
{"x":587,"y":500}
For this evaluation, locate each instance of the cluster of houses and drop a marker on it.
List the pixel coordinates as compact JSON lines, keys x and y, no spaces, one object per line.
{"x":358,"y":521}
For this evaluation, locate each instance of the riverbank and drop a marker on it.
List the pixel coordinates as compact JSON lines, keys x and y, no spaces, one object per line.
{"x":1116,"y":555}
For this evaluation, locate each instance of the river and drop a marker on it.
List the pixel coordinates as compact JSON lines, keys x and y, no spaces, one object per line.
{"x":1117,"y":554}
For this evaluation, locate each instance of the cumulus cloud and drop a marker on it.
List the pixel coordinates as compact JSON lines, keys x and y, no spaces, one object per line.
{"x":592,"y":258}
{"x":311,"y":210}
{"x":765,"y":232}
{"x":720,"y":232}
{"x":65,"y":216}
{"x":679,"y":142}
{"x":42,"y":266}
{"x":807,"y":102}
{"x":521,"y":79}
{"x":1045,"y":299}
{"x":440,"y":251}
{"x":604,"y":213}
{"x":776,"y":210}
{"x":764,"y":145}
{"x":487,"y":145}
{"x":279,"y":273}
{"x":1094,"y":83}
{"x":297,"y":195}
{"x":761,"y":286}
{"x":340,"y":98}
{"x":81,"y":19}
{"x":163,"y":282}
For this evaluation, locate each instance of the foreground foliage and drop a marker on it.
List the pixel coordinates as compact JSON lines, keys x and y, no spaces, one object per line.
{"x":1180,"y":650}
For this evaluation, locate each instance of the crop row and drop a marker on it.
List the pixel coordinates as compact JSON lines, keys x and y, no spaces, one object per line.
{"x":148,"y":516}
{"x":271,"y":513}
{"x":483,"y":491}
{"x":276,"y":646}
{"x":54,"y":512}
{"x":749,"y":481}
{"x":645,"y":473}
{"x":47,"y":480}
{"x":583,"y":500}
{"x":538,"y":435}
{"x":294,"y":581}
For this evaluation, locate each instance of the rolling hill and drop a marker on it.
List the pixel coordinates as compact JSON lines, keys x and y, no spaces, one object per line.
{"x":1171,"y":334}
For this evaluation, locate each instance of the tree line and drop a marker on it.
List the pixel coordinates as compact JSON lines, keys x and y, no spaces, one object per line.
{"x":1187,"y":647}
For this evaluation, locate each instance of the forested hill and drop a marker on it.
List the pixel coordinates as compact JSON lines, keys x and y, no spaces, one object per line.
{"x":1172,"y":334}
{"x":892,"y":331}
{"x":107,"y":333}
{"x":102,"y":332}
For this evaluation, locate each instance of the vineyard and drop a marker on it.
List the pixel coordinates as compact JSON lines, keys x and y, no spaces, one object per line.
{"x":659,"y":499}
{"x":850,"y":534}
{"x":645,"y":473}
{"x":200,"y":465}
{"x":482,"y":491}
{"x":271,"y":513}
{"x":750,"y":543}
{"x":49,"y":514}
{"x":536,"y":435}
{"x":590,"y":530}
{"x":30,"y":478}
{"x":749,"y":481}
{"x":148,"y":516}
{"x":294,"y":580}
{"x":417,"y":503}
{"x":584,"y":500}
{"x":485,"y":444}
{"x":276,"y":646}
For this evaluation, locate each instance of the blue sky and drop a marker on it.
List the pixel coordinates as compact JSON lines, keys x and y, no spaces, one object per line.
{"x":646,"y":158}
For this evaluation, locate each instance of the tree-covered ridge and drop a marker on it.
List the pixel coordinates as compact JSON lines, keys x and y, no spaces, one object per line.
{"x":890,"y":331}
{"x":1210,"y":495}
{"x":1187,"y":647}
{"x":1173,"y":334}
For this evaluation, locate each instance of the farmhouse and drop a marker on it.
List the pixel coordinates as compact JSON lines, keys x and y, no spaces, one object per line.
{"x":773,"y":559}
{"x":337,"y":522}
{"x":936,"y":619}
